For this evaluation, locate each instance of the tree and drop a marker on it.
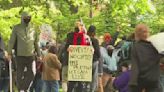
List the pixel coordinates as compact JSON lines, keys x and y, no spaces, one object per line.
{"x":107,"y":15}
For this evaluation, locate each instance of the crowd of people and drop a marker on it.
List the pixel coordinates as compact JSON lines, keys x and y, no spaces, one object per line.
{"x":130,"y":65}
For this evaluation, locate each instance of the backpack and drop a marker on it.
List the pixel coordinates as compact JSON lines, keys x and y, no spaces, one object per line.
{"x":126,"y":50}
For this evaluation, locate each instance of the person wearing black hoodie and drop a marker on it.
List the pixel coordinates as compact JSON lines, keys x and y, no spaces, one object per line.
{"x":96,"y":57}
{"x":145,"y":69}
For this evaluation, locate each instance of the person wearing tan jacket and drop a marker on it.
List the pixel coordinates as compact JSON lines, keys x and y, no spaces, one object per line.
{"x":51,"y":67}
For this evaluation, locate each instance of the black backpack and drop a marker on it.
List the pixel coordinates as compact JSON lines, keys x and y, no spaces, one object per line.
{"x":126,"y":50}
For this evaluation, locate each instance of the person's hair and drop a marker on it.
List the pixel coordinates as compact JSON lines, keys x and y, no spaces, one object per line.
{"x":124,"y":64}
{"x":141,"y":32}
{"x":91,"y":30}
{"x":52,"y":49}
{"x":76,"y":29}
{"x":107,"y":36}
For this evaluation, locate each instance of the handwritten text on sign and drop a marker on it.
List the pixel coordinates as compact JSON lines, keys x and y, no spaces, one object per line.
{"x":80,"y":63}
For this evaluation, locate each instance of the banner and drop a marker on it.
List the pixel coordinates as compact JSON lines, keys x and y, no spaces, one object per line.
{"x":46,"y":33}
{"x":157,"y":41}
{"x":80,"y":63}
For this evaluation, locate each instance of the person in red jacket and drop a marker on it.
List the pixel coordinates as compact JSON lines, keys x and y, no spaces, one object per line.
{"x":96,"y":57}
{"x":78,"y":37}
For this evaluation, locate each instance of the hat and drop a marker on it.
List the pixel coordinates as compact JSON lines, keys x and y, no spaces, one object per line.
{"x":110,"y":47}
{"x":23,"y":14}
{"x":107,"y":36}
{"x":91,"y":29}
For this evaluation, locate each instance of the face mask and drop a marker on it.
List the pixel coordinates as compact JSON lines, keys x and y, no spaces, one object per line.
{"x":44,"y":52}
{"x":27,"y":20}
{"x":110,"y":52}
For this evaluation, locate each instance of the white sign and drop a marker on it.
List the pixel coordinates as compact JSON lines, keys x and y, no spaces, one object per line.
{"x":157,"y":41}
{"x":80,"y":63}
{"x":46,"y":33}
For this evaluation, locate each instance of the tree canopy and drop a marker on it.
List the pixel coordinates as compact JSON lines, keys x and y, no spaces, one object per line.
{"x":106,"y":15}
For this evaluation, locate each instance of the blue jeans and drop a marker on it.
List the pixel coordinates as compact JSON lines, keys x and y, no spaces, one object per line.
{"x":4,"y":84}
{"x":51,"y":86}
{"x":37,"y":83}
{"x":162,"y":82}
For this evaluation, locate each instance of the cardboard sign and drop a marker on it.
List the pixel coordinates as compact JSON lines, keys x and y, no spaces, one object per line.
{"x":80,"y":63}
{"x":157,"y":41}
{"x":46,"y":33}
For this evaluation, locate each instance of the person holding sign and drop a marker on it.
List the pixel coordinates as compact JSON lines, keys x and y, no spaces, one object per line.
{"x":145,"y":69}
{"x":78,"y":37}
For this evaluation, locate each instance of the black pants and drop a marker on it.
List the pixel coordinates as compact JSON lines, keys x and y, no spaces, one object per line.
{"x":72,"y":86}
{"x":146,"y":87}
{"x":25,"y":74}
{"x":140,"y":89}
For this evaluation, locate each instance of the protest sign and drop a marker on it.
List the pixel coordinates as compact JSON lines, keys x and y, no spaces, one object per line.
{"x":80,"y":63}
{"x":46,"y":33}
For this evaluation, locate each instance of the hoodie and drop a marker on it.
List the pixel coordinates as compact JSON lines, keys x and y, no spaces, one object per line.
{"x":24,"y":39}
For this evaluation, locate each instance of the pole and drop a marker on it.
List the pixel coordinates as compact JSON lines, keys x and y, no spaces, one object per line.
{"x":10,"y":74}
{"x":91,"y":11}
{"x":57,"y":33}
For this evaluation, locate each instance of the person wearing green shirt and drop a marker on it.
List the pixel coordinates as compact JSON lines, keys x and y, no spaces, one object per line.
{"x":24,"y":41}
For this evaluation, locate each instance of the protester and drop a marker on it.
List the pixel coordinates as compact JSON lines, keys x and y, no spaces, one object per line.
{"x":110,"y":57}
{"x":38,"y":83}
{"x":78,"y":37}
{"x":69,"y":42}
{"x":62,"y":56}
{"x":96,"y":57}
{"x":121,"y":82}
{"x":51,"y":68}
{"x":125,"y":53}
{"x":25,"y":42}
{"x":4,"y":68}
{"x":109,"y":40}
{"x":145,"y":71}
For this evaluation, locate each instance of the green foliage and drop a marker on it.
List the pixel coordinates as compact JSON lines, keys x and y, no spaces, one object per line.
{"x":108,"y":15}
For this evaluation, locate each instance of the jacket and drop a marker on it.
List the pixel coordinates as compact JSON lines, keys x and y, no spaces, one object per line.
{"x":70,"y":41}
{"x":25,"y":40}
{"x":110,"y":62}
{"x":121,"y":82}
{"x":145,"y":65}
{"x":51,"y":67}
{"x":95,"y":44}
